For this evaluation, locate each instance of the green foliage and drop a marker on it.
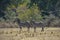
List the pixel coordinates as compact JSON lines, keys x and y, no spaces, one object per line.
{"x":29,"y":14}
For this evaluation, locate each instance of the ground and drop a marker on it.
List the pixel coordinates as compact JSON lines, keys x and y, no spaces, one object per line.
{"x":16,"y":34}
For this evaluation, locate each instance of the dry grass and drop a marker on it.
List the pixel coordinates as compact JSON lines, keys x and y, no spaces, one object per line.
{"x":15,"y":34}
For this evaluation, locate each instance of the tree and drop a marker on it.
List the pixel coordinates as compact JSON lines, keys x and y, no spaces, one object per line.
{"x":3,"y":6}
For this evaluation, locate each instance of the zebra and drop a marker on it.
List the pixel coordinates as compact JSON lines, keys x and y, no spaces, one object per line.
{"x":37,"y":24}
{"x":23,"y":24}
{"x":28,"y":25}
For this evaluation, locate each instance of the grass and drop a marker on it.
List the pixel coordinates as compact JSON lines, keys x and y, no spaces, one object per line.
{"x":15,"y":34}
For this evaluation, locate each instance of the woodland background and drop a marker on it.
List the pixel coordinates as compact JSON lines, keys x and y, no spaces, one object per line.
{"x":45,"y":11}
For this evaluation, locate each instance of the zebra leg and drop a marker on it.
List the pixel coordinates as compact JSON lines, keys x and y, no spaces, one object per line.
{"x":28,"y":29}
{"x":34,"y":29}
{"x":42,"y":29}
{"x":20,"y":28}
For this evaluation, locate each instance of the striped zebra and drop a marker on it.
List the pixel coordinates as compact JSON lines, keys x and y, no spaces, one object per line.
{"x":37,"y":24}
{"x":23,"y":24}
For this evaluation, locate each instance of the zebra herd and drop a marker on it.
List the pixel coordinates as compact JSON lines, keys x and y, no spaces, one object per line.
{"x":29,"y":24}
